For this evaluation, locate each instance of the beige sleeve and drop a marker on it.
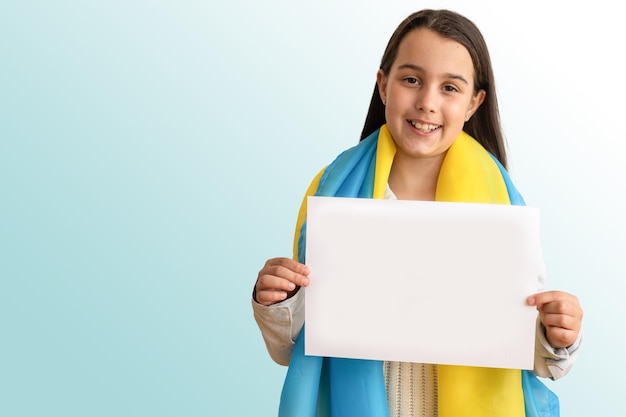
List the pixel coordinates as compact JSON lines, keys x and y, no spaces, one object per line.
{"x":280,"y":325}
{"x":550,"y":362}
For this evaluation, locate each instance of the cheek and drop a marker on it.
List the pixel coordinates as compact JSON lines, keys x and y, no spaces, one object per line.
{"x":457,"y":111}
{"x":399,"y":99}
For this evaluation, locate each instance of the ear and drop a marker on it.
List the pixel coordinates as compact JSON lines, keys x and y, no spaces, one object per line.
{"x":381,"y":82}
{"x":475,"y":102}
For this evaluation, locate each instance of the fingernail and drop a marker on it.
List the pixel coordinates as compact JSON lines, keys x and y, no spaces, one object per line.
{"x":291,"y":286}
{"x":305,"y":282}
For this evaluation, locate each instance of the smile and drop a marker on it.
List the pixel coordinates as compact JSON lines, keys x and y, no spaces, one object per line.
{"x":424,"y":127}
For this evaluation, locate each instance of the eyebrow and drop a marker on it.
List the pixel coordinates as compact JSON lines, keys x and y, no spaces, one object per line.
{"x":446,"y":75}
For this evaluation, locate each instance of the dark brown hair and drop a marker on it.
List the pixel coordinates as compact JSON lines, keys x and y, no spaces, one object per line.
{"x":484,"y":125}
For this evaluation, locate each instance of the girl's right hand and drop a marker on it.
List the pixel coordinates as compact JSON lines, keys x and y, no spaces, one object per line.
{"x":279,"y":279}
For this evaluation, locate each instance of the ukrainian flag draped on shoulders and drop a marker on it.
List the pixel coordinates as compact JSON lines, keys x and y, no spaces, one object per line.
{"x":338,"y":387}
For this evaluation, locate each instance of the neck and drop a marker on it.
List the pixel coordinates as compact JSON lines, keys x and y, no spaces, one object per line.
{"x":415,"y":179}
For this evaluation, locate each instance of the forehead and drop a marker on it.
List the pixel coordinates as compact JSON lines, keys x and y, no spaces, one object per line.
{"x":432,"y":52}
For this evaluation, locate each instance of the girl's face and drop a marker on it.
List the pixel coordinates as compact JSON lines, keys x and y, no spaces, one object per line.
{"x":429,"y":94}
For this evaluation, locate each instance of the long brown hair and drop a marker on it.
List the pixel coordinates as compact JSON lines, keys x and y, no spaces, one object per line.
{"x":484,"y":125}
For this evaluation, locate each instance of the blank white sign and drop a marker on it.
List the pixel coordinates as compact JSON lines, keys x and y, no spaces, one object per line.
{"x":417,"y":281}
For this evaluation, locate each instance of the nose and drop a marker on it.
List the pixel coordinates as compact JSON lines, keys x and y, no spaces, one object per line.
{"x":426,"y":100}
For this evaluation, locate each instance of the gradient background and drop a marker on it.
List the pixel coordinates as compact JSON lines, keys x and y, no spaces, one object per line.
{"x":153,"y":155}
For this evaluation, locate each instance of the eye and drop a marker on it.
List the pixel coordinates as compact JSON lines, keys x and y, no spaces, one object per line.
{"x":411,"y":80}
{"x":449,"y":88}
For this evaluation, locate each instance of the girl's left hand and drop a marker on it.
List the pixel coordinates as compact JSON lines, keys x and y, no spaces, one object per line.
{"x":560,"y":314}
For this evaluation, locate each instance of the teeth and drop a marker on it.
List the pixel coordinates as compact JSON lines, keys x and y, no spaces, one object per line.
{"x":425,"y":127}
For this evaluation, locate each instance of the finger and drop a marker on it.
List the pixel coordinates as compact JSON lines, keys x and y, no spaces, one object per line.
{"x":539,"y":299}
{"x":566,"y":307}
{"x":290,"y":264}
{"x":271,"y":281}
{"x":279,"y":276}
{"x":562,"y":321}
{"x":560,"y":338}
{"x":543,"y":298}
{"x":269,"y":297}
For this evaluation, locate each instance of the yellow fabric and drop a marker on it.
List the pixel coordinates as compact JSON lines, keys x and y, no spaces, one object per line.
{"x":385,"y":152}
{"x":468,"y":174}
{"x":466,"y":391}
{"x":302,"y":212}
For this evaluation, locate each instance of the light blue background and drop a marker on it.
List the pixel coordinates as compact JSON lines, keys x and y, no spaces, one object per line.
{"x":153,"y":155}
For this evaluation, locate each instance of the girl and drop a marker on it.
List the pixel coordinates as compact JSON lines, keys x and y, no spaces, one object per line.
{"x":433,"y":132}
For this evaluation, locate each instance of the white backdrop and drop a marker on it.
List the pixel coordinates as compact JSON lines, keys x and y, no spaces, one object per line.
{"x":153,"y":155}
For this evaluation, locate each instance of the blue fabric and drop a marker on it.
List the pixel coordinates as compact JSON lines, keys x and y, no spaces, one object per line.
{"x":539,"y":400}
{"x":300,"y":391}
